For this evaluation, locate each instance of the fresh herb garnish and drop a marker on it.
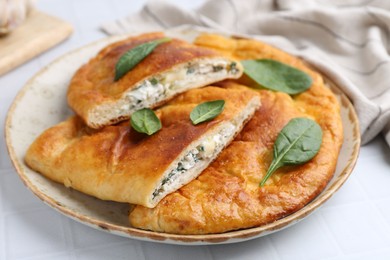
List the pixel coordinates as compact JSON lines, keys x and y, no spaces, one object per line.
{"x":206,"y":111}
{"x":298,"y":142}
{"x":135,"y":55}
{"x":145,"y":121}
{"x":277,"y":76}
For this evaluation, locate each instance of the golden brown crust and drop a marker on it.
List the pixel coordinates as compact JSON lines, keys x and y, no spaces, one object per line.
{"x":227,"y":196}
{"x":116,"y":162}
{"x":93,"y":84}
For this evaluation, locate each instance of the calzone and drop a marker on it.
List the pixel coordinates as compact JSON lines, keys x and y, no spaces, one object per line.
{"x":171,"y":68}
{"x":119,"y":164}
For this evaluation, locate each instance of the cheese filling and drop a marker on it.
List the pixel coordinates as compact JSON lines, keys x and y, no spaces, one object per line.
{"x":153,"y":90}
{"x":203,"y":153}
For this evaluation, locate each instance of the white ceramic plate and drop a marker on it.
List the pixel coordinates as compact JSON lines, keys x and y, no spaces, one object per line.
{"x":42,"y":103}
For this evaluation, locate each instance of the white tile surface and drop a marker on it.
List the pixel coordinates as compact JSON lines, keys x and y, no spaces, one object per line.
{"x":33,"y":233}
{"x":357,"y":227}
{"x":56,"y":256}
{"x":11,"y":82}
{"x":127,"y":250}
{"x":351,"y":192}
{"x":4,"y":159}
{"x":375,"y":255}
{"x":86,"y":237}
{"x":261,"y":248}
{"x":16,"y":196}
{"x":161,"y":251}
{"x":314,"y":241}
{"x":365,"y":175}
{"x":384,"y":208}
{"x":353,"y":224}
{"x":3,"y":241}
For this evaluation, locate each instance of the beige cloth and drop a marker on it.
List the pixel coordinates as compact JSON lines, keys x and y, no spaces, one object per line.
{"x":348,"y":40}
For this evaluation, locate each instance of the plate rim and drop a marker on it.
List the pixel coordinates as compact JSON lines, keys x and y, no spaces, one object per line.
{"x":140,"y":234}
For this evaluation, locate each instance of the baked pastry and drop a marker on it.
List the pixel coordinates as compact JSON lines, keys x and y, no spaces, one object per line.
{"x":172,"y":68}
{"x":227,"y":195}
{"x":119,"y":164}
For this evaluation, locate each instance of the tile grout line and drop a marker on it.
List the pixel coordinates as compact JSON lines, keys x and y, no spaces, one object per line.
{"x":273,"y":248}
{"x":375,"y":208}
{"x":210,"y":253}
{"x":67,"y":232}
{"x":140,"y":247}
{"x":2,"y":239}
{"x":358,"y":182}
{"x":372,"y":204}
{"x":330,"y":233}
{"x":342,"y":206}
{"x":71,"y":236}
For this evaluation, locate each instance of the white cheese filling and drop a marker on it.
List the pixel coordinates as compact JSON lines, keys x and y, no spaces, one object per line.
{"x":203,"y":153}
{"x":153,"y":90}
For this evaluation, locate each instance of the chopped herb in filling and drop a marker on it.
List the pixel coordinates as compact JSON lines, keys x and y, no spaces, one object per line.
{"x":185,"y":164}
{"x":217,"y":68}
{"x":154,"y":81}
{"x":233,"y":67}
{"x":205,"y":150}
{"x":154,"y":89}
{"x":190,"y":69}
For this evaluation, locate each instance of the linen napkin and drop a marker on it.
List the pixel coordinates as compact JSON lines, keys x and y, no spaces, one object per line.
{"x":349,"y":40}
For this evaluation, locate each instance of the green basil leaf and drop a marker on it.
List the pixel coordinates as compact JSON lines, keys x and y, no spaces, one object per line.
{"x":134,"y":56}
{"x":145,"y":121}
{"x":277,"y":76}
{"x":206,"y":111}
{"x":298,"y":142}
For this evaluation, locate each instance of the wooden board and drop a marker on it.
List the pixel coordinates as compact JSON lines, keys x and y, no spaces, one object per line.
{"x":37,"y":34}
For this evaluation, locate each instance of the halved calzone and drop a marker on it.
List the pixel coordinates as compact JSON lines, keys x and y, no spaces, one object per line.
{"x":172,"y":68}
{"x":117,"y":163}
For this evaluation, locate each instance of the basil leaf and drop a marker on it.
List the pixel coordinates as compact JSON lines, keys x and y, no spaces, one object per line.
{"x":277,"y":76}
{"x":135,"y":55}
{"x":145,"y":121}
{"x":298,"y":142}
{"x":206,"y":111}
